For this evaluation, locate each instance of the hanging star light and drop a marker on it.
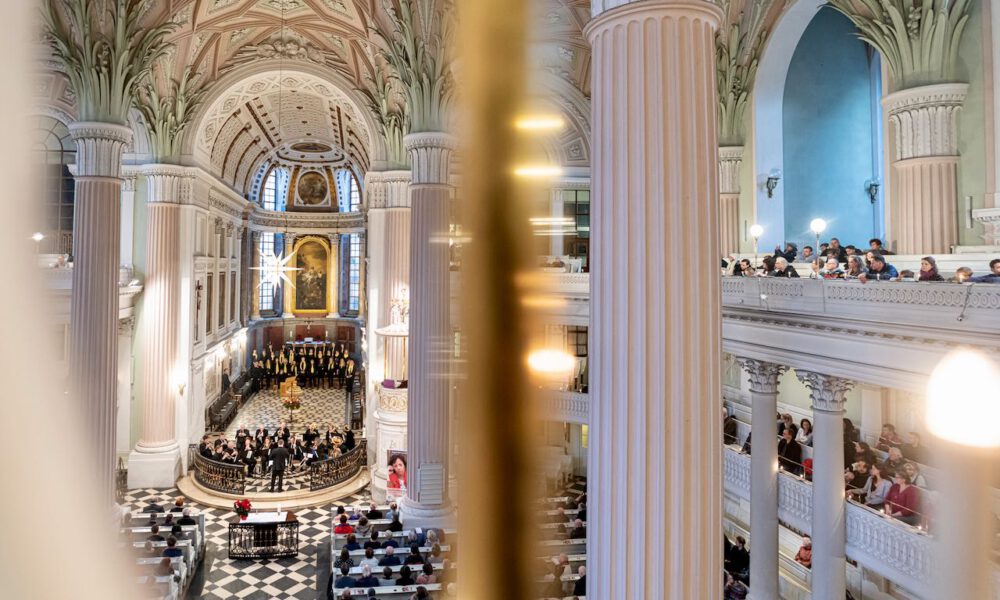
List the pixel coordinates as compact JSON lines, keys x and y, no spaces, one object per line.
{"x":273,"y":267}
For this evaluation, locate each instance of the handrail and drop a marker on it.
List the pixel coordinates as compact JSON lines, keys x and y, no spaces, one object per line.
{"x":219,"y":476}
{"x":334,"y":471}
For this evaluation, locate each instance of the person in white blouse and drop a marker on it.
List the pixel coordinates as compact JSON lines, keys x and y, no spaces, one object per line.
{"x":805,"y":434}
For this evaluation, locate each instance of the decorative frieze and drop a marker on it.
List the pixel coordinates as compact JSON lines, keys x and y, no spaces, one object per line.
{"x":925,"y":120}
{"x":392,"y":400}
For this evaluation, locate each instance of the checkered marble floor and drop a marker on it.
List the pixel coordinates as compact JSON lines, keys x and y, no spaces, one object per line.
{"x":324,"y":407}
{"x":219,"y":578}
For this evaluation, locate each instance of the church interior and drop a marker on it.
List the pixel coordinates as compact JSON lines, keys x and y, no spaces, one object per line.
{"x":325,"y":299}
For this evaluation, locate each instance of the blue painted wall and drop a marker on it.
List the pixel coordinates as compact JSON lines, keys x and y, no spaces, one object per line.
{"x":828,"y":134}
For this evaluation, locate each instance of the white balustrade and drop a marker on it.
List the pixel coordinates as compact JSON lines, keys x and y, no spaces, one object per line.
{"x":736,"y":472}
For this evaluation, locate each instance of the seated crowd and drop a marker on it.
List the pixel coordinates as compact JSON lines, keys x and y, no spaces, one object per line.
{"x":166,"y":546}
{"x":413,"y":567}
{"x":849,"y":262}
{"x":253,"y":449}
{"x":892,"y":484}
{"x":555,"y":574}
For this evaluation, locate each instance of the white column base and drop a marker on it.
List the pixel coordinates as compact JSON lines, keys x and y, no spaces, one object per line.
{"x":159,"y":469}
{"x":413,"y":514}
{"x":287,"y":316}
{"x":333,"y":315}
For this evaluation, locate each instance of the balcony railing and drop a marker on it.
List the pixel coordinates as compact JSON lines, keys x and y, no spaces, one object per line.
{"x":970,"y":307}
{"x":889,"y":547}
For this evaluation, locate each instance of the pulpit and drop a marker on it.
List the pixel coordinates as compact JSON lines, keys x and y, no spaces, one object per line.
{"x":264,"y":535}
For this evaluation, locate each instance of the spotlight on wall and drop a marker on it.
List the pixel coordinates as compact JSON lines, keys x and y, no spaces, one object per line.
{"x":873,"y":186}
{"x":772,"y":181}
{"x":38,"y":236}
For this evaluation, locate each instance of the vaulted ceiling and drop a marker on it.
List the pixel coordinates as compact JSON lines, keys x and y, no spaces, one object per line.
{"x":255,"y":120}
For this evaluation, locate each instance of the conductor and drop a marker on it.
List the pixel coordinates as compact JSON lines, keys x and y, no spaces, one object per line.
{"x":279,"y":458}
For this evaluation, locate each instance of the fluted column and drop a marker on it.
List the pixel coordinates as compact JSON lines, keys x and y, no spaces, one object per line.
{"x":430,"y":327}
{"x":730,"y":160}
{"x":93,"y":356}
{"x":763,"y":378}
{"x":333,"y":277}
{"x":829,"y":576}
{"x":155,"y":462}
{"x":254,"y":276}
{"x":388,"y":276}
{"x":656,"y":345}
{"x":924,"y":172}
{"x":286,"y":289}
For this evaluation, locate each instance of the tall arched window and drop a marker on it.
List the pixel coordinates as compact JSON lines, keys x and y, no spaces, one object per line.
{"x":266,"y":287}
{"x":348,"y":191}
{"x":54,"y":152}
{"x":275,"y":189}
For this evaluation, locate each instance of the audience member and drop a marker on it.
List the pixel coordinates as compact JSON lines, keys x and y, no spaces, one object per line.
{"x":374,"y":512}
{"x":805,"y":553}
{"x":172,"y":550}
{"x":154,"y":534}
{"x":163,"y":568}
{"x":735,"y":589}
{"x":895,"y":461}
{"x":789,"y":452}
{"x":855,"y":267}
{"x":912,"y":471}
{"x":363,"y":528}
{"x":186,"y":518}
{"x":367,"y":579}
{"x":807,"y":254}
{"x":876,"y":489}
{"x":414,"y":558}
{"x":992,"y":277}
{"x":352,"y":542}
{"x":888,"y":438}
{"x":579,"y":532}
{"x":427,"y":577}
{"x":862,"y":451}
{"x":178,"y":505}
{"x":875,"y":245}
{"x":390,"y":559}
{"x":831,"y":270}
{"x":369,"y":559}
{"x":344,"y":526}
{"x":790,"y":253}
{"x":783,"y":269}
{"x":405,"y":576}
{"x":554,"y":589}
{"x":373,"y":542}
{"x":785,"y":421}
{"x":805,"y":434}
{"x":345,"y":580}
{"x":386,"y":578}
{"x":836,"y":250}
{"x":737,"y":560}
{"x":903,"y":500}
{"x":914,"y":449}
{"x":879,"y":270}
{"x":962,"y":275}
{"x":929,"y":270}
{"x":344,"y":559}
{"x":580,"y":586}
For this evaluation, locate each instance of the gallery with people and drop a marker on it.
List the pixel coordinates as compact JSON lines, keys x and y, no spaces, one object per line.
{"x":485,"y":299}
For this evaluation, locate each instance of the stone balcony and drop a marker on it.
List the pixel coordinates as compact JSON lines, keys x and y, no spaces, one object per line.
{"x":894,"y":550}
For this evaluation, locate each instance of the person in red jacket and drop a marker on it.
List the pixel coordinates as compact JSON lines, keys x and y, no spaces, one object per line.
{"x":344,"y":527}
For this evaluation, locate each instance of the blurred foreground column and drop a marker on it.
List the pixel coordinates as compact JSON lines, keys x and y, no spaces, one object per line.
{"x":656,"y":483}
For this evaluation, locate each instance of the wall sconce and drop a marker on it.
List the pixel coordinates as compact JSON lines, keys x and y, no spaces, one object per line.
{"x":873,"y":186}
{"x":772,"y":181}
{"x":180,"y":389}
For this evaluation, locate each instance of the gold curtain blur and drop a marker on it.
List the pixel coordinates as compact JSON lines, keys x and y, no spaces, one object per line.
{"x":496,"y":424}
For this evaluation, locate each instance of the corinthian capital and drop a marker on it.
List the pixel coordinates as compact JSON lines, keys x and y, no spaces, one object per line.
{"x":826,"y":391}
{"x":763,"y":375}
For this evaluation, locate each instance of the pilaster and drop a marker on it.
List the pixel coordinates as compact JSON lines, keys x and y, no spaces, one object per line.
{"x":924,"y":188}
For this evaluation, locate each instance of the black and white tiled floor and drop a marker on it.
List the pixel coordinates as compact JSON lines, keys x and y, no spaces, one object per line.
{"x":219,"y":578}
{"x":323,"y":407}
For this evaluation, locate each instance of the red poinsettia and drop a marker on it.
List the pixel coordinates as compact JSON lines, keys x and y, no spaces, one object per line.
{"x":242,"y":507}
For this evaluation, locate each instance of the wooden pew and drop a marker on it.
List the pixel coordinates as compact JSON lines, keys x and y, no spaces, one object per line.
{"x":397,"y":592}
{"x":340,"y":539}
